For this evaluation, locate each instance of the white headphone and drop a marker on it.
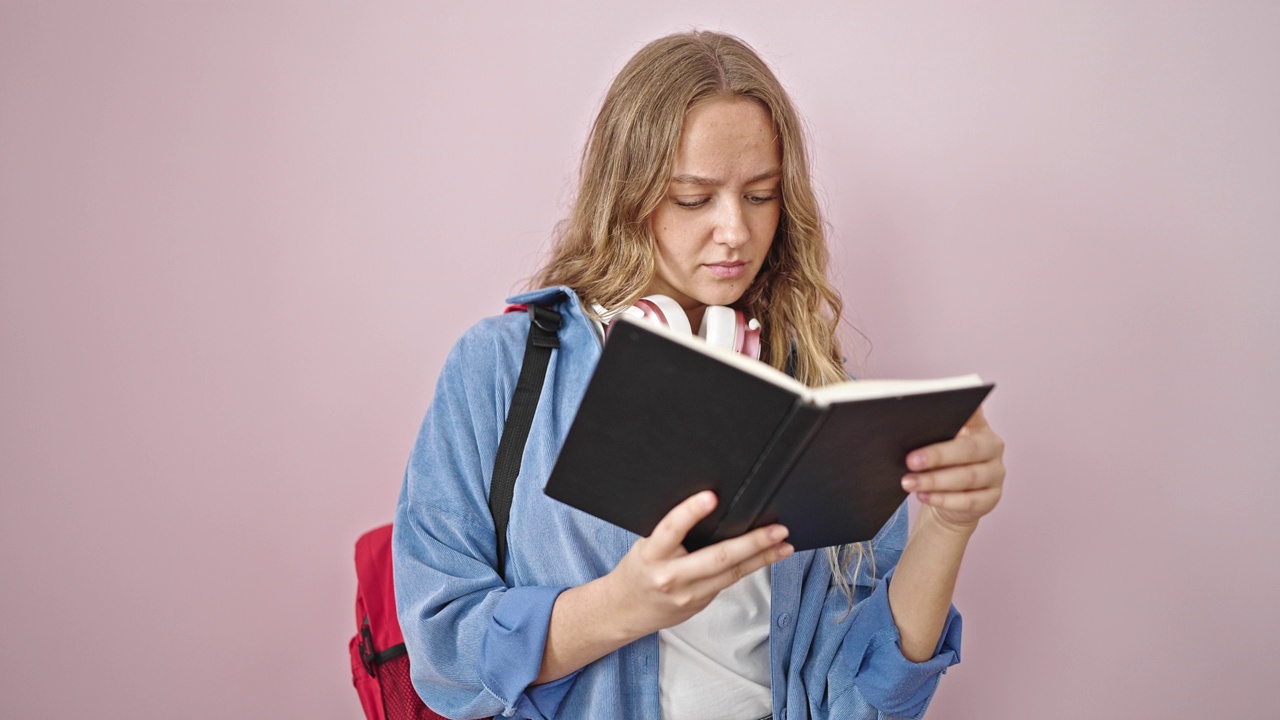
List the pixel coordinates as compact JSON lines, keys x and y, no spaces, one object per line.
{"x":722,"y":326}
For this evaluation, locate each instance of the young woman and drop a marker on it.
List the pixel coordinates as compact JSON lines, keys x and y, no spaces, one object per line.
{"x":694,"y":185}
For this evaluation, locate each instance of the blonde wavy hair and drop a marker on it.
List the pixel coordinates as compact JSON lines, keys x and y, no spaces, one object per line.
{"x":605,"y":248}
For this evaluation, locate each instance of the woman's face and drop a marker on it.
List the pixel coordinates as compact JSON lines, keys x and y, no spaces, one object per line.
{"x":715,"y":226}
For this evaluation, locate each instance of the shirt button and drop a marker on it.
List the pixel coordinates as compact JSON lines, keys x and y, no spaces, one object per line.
{"x":783,"y":620}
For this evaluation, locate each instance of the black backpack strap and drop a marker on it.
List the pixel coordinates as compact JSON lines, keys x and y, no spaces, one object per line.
{"x":544,"y":326}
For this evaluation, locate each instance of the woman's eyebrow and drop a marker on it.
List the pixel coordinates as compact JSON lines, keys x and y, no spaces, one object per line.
{"x":699,"y":180}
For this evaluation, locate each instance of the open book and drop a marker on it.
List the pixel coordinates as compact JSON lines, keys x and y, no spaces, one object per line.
{"x":666,"y":415}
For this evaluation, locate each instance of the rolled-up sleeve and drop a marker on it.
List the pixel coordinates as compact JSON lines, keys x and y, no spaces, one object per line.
{"x":886,"y":679}
{"x":511,"y":653}
{"x":853,"y":666}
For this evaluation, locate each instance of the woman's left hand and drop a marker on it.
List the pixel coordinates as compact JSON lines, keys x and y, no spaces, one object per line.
{"x":959,"y":480}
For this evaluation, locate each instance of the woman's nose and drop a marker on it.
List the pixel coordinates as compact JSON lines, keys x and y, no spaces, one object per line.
{"x":731,"y":225}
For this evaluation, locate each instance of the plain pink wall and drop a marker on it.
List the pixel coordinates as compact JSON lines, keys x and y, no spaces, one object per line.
{"x":237,"y":239}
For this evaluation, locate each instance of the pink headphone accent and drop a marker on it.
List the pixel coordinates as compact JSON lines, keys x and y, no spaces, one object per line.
{"x":723,"y":327}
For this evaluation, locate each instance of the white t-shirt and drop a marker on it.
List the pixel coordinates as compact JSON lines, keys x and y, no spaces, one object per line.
{"x":715,"y":665}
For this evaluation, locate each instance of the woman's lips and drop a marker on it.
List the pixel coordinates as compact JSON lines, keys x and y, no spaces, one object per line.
{"x":727,"y":269}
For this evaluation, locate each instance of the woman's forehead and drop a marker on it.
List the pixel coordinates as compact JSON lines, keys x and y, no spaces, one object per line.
{"x":727,"y":140}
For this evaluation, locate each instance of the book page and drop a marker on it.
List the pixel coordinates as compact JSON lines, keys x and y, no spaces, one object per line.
{"x":869,"y":389}
{"x":819,"y":397}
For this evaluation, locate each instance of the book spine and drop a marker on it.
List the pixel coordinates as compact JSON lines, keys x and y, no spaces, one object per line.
{"x":771,"y":469}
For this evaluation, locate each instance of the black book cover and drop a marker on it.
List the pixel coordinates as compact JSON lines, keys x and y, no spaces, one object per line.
{"x":662,"y":420}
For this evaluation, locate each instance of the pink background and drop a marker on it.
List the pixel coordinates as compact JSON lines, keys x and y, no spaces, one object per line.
{"x":238,"y":239}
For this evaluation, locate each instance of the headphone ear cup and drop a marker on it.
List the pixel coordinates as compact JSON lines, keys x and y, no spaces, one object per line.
{"x":727,"y":328}
{"x":720,"y":327}
{"x":666,"y":312}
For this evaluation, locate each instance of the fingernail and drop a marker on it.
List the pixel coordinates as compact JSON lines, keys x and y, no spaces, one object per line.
{"x":909,"y":483}
{"x":916,"y":461}
{"x":923,"y":497}
{"x":785,"y":550}
{"x":708,"y":499}
{"x":778,"y":533}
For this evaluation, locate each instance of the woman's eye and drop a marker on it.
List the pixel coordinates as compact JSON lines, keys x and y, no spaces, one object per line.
{"x":689,"y":203}
{"x":760,"y":199}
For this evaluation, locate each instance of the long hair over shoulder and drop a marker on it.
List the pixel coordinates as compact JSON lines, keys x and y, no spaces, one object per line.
{"x":605,"y":248}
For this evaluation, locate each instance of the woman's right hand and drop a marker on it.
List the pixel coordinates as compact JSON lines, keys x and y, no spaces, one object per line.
{"x":658,"y":583}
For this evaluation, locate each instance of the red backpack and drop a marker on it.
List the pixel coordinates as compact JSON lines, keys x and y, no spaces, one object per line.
{"x":379,"y":661}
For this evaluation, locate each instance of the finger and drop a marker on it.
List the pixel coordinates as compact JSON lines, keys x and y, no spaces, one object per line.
{"x":715,"y":583}
{"x":974,"y":502}
{"x":666,"y":538}
{"x":973,"y":476}
{"x":716,"y":559}
{"x":977,"y":446}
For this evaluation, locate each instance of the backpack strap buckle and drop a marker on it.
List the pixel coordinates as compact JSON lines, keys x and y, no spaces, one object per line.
{"x":367,"y":653}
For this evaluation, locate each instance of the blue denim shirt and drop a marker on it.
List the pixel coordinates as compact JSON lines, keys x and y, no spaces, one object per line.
{"x":475,"y":639}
